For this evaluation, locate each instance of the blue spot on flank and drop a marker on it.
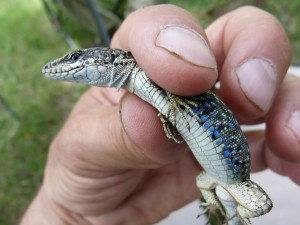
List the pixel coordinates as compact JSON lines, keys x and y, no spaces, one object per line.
{"x":211,"y":130}
{"x":208,"y":105}
{"x":228,"y":161}
{"x":231,"y":166}
{"x":197,"y":111}
{"x":207,"y":125}
{"x":204,"y":118}
{"x":217,"y":134}
{"x":213,"y":114}
{"x":226,"y":153}
{"x":226,"y":147}
{"x":217,"y":142}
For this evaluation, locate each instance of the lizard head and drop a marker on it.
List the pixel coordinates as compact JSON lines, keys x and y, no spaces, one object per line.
{"x":97,"y":66}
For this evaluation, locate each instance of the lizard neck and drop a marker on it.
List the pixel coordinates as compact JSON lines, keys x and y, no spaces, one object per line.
{"x":141,"y":85}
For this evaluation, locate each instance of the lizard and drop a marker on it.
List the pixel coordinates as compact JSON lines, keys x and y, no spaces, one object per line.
{"x":204,"y":122}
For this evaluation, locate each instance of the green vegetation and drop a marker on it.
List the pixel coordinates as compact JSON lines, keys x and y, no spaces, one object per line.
{"x":287,"y":12}
{"x":28,"y":40}
{"x":36,"y":107}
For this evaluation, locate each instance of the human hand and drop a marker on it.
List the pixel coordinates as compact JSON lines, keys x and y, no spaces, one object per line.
{"x":104,"y":171}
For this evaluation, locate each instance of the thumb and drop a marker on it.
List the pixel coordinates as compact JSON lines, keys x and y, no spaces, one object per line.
{"x":94,"y":134}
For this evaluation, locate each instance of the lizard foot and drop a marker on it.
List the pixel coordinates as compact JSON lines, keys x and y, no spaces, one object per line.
{"x":178,"y":104}
{"x":170,"y":130}
{"x":212,"y":212}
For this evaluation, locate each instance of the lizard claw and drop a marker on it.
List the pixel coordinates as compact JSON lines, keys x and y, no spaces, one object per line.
{"x":170,"y":130}
{"x":178,"y":104}
{"x":212,"y":212}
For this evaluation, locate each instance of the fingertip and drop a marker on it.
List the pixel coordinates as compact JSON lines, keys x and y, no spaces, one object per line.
{"x":251,"y":89}
{"x":171,"y":47}
{"x":254,"y":57}
{"x":283,"y":121}
{"x":283,"y":141}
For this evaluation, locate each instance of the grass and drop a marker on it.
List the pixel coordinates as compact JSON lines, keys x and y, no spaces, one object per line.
{"x":36,"y":107}
{"x":28,"y":41}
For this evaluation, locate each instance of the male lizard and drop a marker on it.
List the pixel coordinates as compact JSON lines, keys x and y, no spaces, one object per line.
{"x":203,"y":122}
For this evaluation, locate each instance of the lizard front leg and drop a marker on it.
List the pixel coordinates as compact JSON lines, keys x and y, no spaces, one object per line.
{"x":177,"y":106}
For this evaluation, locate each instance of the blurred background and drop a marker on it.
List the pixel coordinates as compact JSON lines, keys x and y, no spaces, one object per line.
{"x":32,"y":109}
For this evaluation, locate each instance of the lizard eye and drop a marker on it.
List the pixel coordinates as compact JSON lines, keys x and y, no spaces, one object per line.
{"x":75,"y":56}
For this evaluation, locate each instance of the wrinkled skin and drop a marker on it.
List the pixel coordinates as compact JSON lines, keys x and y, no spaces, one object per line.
{"x":103,"y":170}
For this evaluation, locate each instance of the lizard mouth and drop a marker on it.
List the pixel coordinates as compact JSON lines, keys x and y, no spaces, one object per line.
{"x":60,"y":72}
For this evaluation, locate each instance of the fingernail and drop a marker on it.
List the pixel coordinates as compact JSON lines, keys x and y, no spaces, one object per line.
{"x":121,"y":103}
{"x":294,"y":124}
{"x":258,"y":81}
{"x":186,"y":43}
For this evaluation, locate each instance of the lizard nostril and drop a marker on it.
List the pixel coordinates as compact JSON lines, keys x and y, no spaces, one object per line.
{"x":46,"y":66}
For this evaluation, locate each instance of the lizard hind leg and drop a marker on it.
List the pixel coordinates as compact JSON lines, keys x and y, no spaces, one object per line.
{"x":211,"y":205}
{"x":221,"y":210}
{"x":211,"y":208}
{"x":231,"y":208}
{"x":252,"y":200}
